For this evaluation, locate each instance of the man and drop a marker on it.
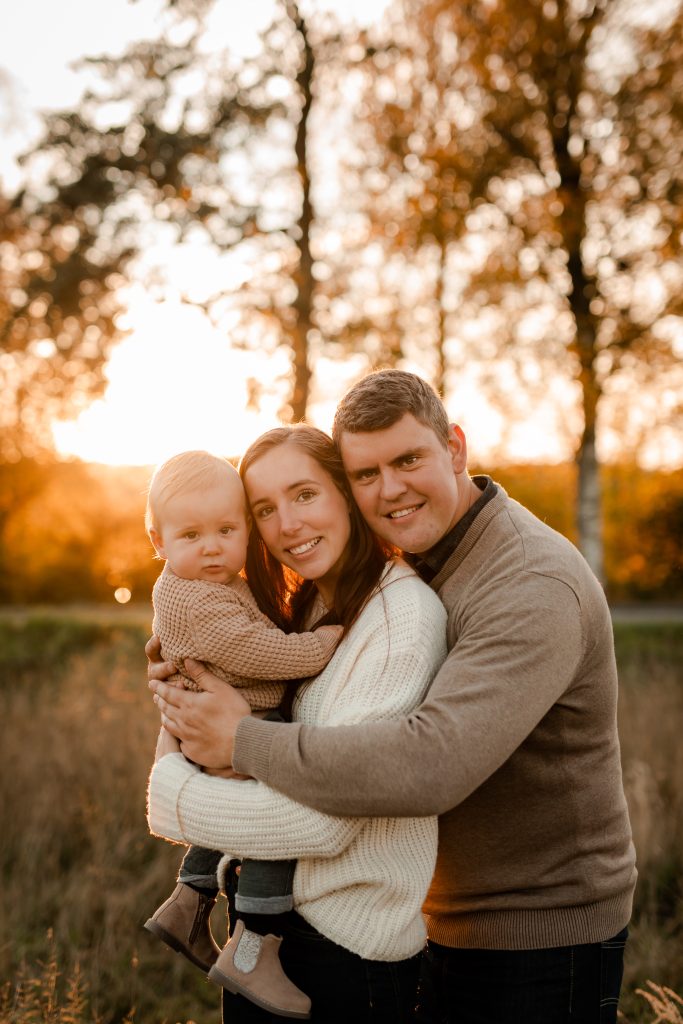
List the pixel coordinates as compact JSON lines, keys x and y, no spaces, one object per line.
{"x":515,"y":747}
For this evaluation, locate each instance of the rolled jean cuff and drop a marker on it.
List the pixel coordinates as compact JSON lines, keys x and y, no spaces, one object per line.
{"x":204,"y":881}
{"x":264,"y":904}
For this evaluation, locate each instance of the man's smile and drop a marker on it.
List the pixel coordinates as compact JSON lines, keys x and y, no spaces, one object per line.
{"x":399,"y":513}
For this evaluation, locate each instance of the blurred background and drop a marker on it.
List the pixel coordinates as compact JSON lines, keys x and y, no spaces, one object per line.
{"x":215,"y":217}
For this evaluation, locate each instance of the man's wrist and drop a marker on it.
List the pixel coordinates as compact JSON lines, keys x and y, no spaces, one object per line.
{"x":251,"y":747}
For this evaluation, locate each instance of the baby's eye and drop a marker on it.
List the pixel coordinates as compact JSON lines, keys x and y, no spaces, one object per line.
{"x":191,"y":535}
{"x":226,"y":530}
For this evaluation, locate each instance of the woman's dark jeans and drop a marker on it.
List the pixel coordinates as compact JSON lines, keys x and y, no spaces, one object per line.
{"x":344,"y":988}
{"x":566,"y":985}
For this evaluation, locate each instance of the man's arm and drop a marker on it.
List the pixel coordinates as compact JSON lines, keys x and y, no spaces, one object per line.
{"x":511,"y":663}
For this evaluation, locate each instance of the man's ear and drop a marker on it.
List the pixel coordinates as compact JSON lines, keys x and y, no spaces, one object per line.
{"x":157,"y":541}
{"x":457,"y":446}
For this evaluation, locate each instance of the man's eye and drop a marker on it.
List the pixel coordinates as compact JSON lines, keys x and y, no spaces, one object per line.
{"x":409,"y":460}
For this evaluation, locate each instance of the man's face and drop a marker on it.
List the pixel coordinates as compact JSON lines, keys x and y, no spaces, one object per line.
{"x":409,"y":487}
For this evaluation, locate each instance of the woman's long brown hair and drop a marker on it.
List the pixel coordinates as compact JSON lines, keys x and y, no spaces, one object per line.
{"x":281,"y":594}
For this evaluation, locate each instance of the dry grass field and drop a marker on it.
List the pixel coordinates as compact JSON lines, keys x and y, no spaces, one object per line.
{"x":80,"y":873}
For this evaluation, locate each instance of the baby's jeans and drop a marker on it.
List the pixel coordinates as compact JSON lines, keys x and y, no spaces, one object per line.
{"x":264,"y":887}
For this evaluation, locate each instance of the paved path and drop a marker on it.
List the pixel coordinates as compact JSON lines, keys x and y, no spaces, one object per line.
{"x":647,"y":613}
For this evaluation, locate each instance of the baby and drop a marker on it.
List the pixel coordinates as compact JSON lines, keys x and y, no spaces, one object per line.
{"x":197,"y":520}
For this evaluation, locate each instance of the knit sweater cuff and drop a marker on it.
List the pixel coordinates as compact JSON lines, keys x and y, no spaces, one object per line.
{"x":251,"y":751}
{"x":169,"y":776}
{"x":328,"y":642}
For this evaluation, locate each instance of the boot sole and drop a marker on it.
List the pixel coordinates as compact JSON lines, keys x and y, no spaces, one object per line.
{"x":175,"y":944}
{"x":217,"y":976}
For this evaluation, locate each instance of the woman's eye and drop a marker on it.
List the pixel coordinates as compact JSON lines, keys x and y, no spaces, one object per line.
{"x":305,"y":495}
{"x":264,"y":511}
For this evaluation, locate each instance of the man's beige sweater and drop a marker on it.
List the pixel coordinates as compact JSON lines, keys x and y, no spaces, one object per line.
{"x":221,"y":625}
{"x":515,"y":748}
{"x":359,"y":881}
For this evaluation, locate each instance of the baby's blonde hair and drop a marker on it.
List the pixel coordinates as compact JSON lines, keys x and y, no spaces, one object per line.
{"x":188,"y":471}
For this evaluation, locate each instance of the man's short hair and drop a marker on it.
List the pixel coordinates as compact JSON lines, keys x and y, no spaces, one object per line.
{"x":382,"y":398}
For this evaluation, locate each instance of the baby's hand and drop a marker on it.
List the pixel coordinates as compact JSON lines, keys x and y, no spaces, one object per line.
{"x":332,"y":631}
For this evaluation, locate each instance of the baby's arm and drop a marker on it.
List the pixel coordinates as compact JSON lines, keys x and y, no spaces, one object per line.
{"x":244,"y":642}
{"x":333,"y":632}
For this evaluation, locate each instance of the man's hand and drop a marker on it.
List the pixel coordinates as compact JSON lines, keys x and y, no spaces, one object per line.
{"x":206,"y":722}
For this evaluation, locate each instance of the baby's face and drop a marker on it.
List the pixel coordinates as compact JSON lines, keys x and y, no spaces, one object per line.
{"x":203,"y":534}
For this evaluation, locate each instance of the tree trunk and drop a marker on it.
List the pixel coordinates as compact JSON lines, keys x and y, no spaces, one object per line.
{"x":589,"y":496}
{"x":572,"y":223}
{"x":589,"y":485}
{"x":303,"y":277}
{"x":440,"y":381}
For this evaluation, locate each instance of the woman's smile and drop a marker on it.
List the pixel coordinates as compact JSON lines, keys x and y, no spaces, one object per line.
{"x":302,"y":549}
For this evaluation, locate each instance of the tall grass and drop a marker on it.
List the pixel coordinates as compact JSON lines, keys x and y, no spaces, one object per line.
{"x":650,"y":719}
{"x":80,"y":874}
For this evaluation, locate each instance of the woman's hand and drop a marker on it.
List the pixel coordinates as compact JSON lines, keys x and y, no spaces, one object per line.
{"x":206,"y":722}
{"x":166,"y":744}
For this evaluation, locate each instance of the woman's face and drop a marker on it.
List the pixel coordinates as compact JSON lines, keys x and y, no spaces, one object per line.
{"x":301,"y":515}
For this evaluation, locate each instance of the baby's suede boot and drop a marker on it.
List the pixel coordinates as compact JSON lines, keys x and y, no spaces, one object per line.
{"x":250,"y":965}
{"x":182,"y":922}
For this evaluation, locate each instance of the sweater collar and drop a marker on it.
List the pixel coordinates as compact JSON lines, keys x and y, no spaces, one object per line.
{"x":429,"y":563}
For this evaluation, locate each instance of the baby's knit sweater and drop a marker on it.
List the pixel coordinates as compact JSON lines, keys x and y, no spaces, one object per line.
{"x":221,"y":625}
{"x":359,"y":881}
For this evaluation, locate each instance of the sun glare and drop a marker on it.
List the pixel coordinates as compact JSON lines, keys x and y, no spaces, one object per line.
{"x":174,"y":383}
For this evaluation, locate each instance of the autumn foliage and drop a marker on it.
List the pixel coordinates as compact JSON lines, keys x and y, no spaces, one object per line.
{"x":72,"y":532}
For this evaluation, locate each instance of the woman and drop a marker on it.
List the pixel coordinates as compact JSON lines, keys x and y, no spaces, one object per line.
{"x":353,"y":942}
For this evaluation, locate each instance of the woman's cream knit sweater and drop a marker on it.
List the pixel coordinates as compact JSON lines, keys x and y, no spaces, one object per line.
{"x":359,"y":881}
